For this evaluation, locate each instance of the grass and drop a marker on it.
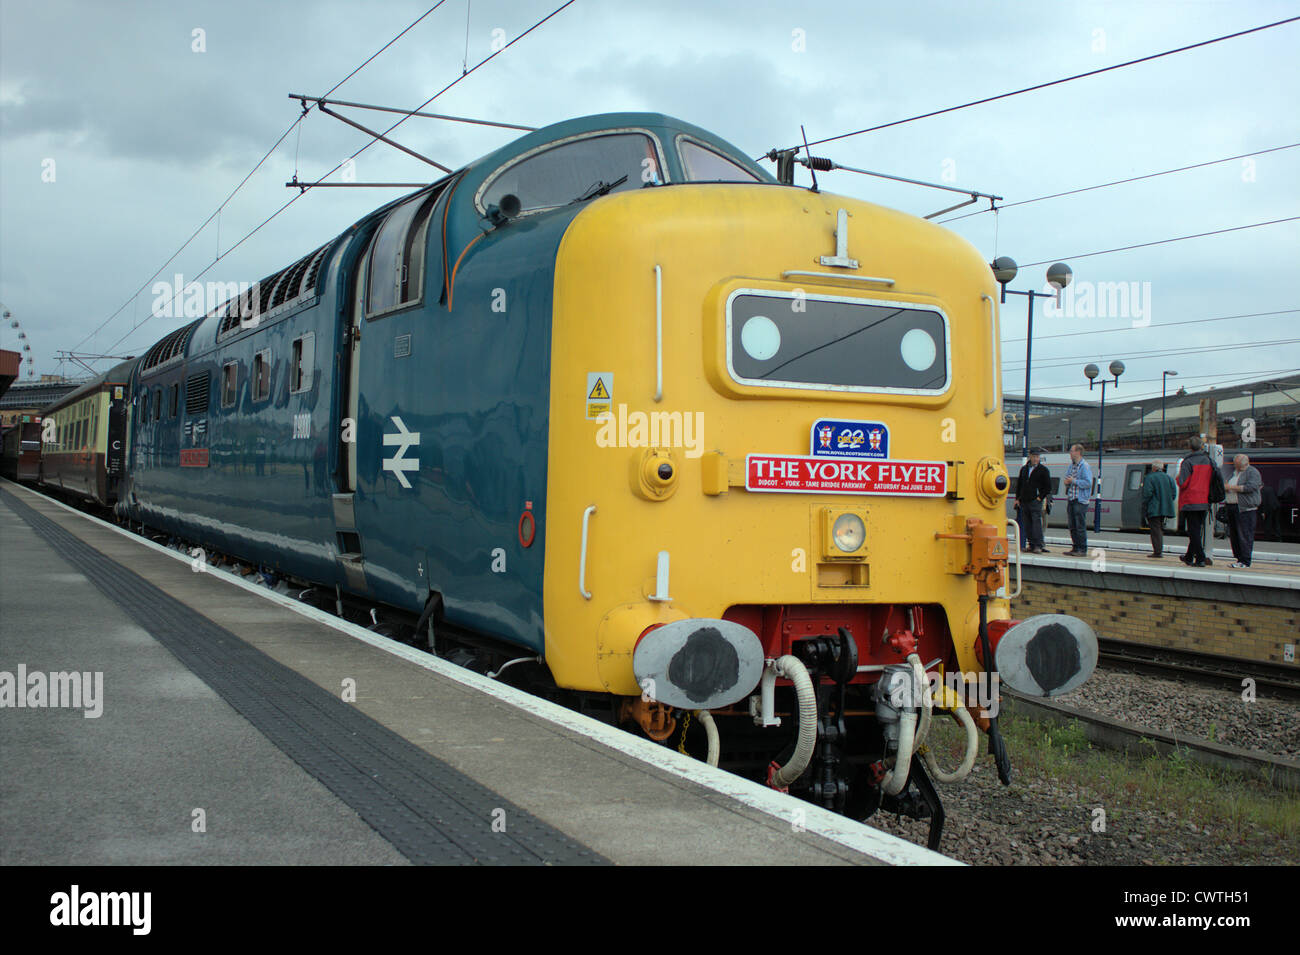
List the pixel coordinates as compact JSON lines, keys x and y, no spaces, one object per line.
{"x":1143,"y":777}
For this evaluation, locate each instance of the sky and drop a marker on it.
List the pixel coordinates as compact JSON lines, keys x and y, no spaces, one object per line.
{"x":125,"y":125}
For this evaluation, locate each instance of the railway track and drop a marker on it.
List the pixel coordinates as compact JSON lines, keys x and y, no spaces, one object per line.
{"x":1274,"y":680}
{"x":1109,"y":733}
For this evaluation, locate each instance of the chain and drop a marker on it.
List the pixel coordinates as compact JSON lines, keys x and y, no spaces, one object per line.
{"x":686,"y":724}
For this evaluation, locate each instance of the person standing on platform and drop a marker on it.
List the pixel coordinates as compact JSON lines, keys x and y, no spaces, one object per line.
{"x":1194,"y":501}
{"x":1158,"y":493}
{"x":1032,"y":489}
{"x":1078,"y":492}
{"x":1244,"y":483}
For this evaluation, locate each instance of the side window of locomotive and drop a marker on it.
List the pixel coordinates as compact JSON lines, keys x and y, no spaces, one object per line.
{"x":836,"y":344}
{"x":395,"y":270}
{"x":229,"y":383}
{"x":705,"y":165}
{"x":300,"y":368}
{"x":157,"y":404}
{"x":262,"y":375}
{"x":176,"y":400}
{"x":571,"y":171}
{"x":144,"y":405}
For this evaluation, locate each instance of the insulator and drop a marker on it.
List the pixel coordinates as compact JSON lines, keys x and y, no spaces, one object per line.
{"x":819,"y":163}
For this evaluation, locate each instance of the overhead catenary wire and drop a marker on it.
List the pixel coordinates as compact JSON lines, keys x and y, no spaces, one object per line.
{"x":1230,"y":380}
{"x":1131,"y":328}
{"x":1119,"y":182}
{"x":1047,"y":362}
{"x":1058,"y":82}
{"x":362,"y":149}
{"x":267,"y":155}
{"x":1144,"y":245}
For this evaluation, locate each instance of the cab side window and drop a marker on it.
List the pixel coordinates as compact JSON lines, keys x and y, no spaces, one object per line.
{"x":395,"y":265}
{"x":558,"y":176}
{"x":229,"y":383}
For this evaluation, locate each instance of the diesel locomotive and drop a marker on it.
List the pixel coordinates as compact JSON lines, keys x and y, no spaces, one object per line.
{"x":692,"y":445}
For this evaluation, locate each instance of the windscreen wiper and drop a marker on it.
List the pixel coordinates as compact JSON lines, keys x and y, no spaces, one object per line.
{"x":599,"y":189}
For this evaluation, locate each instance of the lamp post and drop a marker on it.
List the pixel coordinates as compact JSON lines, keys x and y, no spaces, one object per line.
{"x":1091,"y":371}
{"x":1141,"y":427}
{"x":1164,"y":376}
{"x":1058,"y":276}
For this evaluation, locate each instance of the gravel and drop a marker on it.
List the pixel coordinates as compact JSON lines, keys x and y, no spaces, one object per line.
{"x":1208,"y":712}
{"x":1041,"y":821}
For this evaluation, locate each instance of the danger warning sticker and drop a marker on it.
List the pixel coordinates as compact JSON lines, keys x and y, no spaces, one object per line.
{"x":796,"y":474}
{"x":600,"y":393}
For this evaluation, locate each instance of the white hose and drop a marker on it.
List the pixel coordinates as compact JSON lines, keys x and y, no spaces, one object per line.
{"x":972,"y":750}
{"x":896,"y":777}
{"x":793,"y":670}
{"x":710,"y":730}
{"x":927,"y":701}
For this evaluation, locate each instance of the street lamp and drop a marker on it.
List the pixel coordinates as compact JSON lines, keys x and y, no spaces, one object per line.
{"x":1091,"y":371}
{"x":1163,"y":378}
{"x":1058,"y":276}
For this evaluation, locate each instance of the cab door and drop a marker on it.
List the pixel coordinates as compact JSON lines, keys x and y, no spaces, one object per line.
{"x":391,"y":388}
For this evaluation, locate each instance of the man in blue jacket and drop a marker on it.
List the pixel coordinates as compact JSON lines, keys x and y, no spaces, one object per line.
{"x":1078,"y":492}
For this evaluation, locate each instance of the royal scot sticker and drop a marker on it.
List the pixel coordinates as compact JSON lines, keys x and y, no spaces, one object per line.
{"x":833,"y":438}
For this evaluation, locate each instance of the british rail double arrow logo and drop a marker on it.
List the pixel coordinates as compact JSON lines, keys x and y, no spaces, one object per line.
{"x":399,"y":463}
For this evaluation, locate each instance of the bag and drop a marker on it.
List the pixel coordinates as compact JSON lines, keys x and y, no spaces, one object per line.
{"x":1217,"y":492}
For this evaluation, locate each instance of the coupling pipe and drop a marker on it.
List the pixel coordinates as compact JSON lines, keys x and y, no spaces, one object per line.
{"x":793,"y":670}
{"x":899,"y":695}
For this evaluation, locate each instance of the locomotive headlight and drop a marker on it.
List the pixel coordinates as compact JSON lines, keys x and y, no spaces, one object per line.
{"x":848,"y":533}
{"x":843,"y":533}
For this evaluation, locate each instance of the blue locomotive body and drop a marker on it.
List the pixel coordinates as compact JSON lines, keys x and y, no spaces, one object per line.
{"x":375,"y":416}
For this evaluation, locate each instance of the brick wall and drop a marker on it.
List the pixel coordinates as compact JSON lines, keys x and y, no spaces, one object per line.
{"x":1209,"y":626}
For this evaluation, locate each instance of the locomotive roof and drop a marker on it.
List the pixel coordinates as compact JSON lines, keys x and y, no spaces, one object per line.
{"x":463,"y":220}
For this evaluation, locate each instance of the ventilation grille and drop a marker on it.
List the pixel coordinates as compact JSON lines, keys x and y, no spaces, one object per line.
{"x":282,"y":288}
{"x":170,"y":348}
{"x":196,"y":394}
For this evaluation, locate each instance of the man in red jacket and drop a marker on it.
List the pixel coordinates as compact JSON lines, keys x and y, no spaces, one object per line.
{"x":1194,"y":500}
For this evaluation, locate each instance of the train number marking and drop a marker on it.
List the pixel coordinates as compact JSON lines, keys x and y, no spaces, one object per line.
{"x":399,"y":464}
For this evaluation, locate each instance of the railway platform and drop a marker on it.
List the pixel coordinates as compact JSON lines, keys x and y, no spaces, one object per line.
{"x":217,"y":722}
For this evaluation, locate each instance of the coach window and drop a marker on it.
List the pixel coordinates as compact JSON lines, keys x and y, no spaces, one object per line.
{"x":262,"y":375}
{"x":229,"y":383}
{"x":300,"y":368}
{"x":705,"y":165}
{"x":562,"y":174}
{"x":1134,"y":479}
{"x":395,"y":270}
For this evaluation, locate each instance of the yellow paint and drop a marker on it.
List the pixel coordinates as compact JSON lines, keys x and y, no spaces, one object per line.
{"x":730,"y":546}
